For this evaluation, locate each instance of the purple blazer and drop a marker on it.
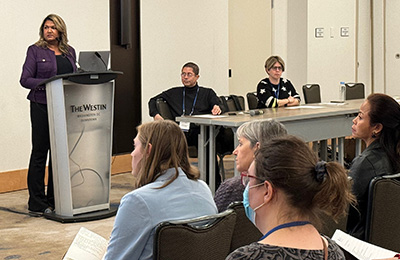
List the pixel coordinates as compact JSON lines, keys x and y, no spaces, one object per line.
{"x":40,"y":64}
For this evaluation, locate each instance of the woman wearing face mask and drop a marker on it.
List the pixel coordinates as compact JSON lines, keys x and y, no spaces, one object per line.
{"x":378,"y":125}
{"x":287,"y":189}
{"x":250,"y":135}
{"x":168,"y":188}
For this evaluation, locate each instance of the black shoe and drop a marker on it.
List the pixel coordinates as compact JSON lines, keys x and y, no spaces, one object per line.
{"x":35,"y":213}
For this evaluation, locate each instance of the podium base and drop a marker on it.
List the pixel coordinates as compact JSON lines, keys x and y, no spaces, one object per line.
{"x":96,"y":215}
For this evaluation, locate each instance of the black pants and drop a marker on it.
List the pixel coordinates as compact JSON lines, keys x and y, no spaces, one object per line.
{"x":192,"y":139}
{"x":38,"y":200}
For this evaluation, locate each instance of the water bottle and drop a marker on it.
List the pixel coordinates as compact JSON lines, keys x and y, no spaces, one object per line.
{"x":342,"y":93}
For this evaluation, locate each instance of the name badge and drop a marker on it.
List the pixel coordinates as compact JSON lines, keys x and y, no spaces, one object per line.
{"x":184,"y":126}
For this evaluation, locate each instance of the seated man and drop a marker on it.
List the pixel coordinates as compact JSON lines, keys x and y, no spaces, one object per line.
{"x":189,"y":99}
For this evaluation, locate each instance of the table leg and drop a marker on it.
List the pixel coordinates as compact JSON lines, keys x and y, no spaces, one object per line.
{"x":235,"y":144}
{"x":202,"y":153}
{"x":211,"y":169}
{"x":341,"y":150}
{"x":334,"y":149}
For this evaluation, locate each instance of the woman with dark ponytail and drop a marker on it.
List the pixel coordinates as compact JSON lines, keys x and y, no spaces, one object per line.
{"x":378,"y":125}
{"x":288,"y":190}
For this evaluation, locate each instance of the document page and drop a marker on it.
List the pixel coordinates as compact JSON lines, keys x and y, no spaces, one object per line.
{"x":360,"y":249}
{"x":87,"y":245}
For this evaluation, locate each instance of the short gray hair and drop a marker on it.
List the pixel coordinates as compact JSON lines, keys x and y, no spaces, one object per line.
{"x":261,"y":130}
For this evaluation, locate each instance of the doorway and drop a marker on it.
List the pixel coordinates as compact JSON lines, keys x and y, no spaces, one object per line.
{"x":125,"y":58}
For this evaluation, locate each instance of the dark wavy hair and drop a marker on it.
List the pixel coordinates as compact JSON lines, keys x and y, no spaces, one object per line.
{"x":386,"y":111}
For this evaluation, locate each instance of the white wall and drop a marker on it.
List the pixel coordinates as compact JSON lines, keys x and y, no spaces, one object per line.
{"x":174,"y":32}
{"x":249,"y":43}
{"x":88,"y":28}
{"x":332,"y":58}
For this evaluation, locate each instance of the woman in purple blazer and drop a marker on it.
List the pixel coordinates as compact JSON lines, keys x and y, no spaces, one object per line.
{"x":49,"y":56}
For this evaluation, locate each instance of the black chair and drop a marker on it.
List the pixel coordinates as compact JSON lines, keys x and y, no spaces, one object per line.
{"x":383,"y":212}
{"x":252,"y":100}
{"x":355,"y":91}
{"x":329,"y":225}
{"x":312,"y":93}
{"x":245,"y":232}
{"x":165,"y":112}
{"x":232,"y":103}
{"x":207,"y":237}
{"x":163,"y":108}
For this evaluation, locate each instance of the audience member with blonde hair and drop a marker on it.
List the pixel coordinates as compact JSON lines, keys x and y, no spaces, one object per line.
{"x":167,"y":188}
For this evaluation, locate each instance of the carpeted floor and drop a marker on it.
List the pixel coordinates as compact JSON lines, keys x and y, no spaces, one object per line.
{"x":26,"y":237}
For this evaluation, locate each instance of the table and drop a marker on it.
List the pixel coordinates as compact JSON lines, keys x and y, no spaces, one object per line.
{"x":311,"y":122}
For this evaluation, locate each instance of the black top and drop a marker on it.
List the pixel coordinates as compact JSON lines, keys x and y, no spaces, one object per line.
{"x":372,"y":162}
{"x":64,"y":66}
{"x":206,"y":99}
{"x":256,"y":251}
{"x":268,"y":93}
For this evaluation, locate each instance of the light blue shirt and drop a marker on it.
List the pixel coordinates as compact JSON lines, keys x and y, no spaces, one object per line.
{"x":142,"y":209}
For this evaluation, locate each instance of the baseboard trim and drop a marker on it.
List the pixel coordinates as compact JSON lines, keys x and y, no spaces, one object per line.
{"x":16,"y":180}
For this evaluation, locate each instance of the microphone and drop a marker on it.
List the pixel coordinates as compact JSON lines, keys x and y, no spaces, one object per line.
{"x":256,"y":112}
{"x":99,"y":56}
{"x":78,"y":67}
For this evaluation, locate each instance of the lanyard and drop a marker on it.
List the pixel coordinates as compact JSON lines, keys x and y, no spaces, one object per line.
{"x":277,"y":92}
{"x":286,"y":225}
{"x":194,"y":101}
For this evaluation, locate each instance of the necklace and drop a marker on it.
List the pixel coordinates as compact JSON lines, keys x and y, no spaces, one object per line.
{"x":286,"y":225}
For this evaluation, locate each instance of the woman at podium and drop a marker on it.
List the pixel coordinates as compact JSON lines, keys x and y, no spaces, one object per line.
{"x":51,"y":55}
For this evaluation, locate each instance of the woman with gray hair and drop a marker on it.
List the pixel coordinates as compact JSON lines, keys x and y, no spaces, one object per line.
{"x":250,"y":135}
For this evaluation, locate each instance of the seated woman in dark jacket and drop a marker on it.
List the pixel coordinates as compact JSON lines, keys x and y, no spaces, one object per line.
{"x":378,"y":125}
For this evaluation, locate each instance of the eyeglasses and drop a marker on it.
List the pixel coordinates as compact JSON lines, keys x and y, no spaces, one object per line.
{"x":183,"y":74}
{"x":245,"y":178}
{"x":278,"y":68}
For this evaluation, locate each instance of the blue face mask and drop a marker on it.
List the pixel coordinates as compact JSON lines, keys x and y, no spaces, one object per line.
{"x":250,"y":213}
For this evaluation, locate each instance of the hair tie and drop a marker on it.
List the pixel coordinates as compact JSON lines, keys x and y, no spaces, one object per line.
{"x":320,"y":171}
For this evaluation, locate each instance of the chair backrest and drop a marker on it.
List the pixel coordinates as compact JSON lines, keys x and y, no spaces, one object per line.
{"x":164,"y":110}
{"x":354,"y":91}
{"x":207,"y":237}
{"x":383,"y":212}
{"x":329,"y":225}
{"x":312,"y":93}
{"x":252,"y":100}
{"x":245,"y":232}
{"x":232,"y":103}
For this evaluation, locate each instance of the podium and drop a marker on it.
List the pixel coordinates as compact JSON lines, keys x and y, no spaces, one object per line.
{"x":80,"y":109}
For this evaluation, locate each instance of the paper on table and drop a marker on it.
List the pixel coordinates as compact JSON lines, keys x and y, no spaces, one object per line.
{"x":308,"y":106}
{"x":208,"y":116}
{"x":360,"y":249}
